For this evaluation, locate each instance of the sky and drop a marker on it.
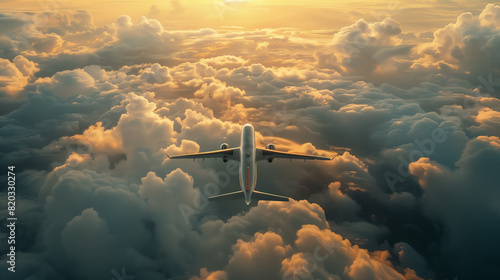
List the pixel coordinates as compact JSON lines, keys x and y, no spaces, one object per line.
{"x":406,"y":94}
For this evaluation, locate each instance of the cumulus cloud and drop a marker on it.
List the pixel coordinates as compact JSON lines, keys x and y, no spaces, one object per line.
{"x":368,"y":49}
{"x":220,"y":97}
{"x":467,"y":187}
{"x":70,"y":83}
{"x":325,"y":254}
{"x":266,"y":252}
{"x":16,"y":74}
{"x":262,"y":47}
{"x":468,"y":45}
{"x":82,"y":19}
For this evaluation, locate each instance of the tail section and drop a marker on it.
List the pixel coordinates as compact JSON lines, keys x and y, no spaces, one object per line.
{"x":255,"y":195}
{"x":267,"y":196}
{"x":227,"y":196}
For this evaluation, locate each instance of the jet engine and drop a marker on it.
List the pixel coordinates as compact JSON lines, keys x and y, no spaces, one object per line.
{"x":224,"y":146}
{"x":270,"y":147}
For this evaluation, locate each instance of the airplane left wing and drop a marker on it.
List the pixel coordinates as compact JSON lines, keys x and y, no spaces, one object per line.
{"x":272,"y":154}
{"x":226,"y":154}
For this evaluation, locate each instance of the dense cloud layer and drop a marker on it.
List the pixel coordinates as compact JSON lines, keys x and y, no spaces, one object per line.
{"x":90,"y":112}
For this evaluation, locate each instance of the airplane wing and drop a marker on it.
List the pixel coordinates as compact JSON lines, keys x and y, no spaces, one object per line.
{"x":232,"y":154}
{"x":268,"y":196}
{"x":272,"y":154}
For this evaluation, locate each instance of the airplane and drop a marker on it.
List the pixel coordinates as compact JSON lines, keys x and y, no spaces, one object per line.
{"x":248,"y":155}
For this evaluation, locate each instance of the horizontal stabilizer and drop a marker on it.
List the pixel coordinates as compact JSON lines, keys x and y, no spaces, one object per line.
{"x":267,"y":196}
{"x":227,"y":196}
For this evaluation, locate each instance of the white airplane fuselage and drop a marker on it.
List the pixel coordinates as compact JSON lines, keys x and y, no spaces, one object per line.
{"x":248,"y":165}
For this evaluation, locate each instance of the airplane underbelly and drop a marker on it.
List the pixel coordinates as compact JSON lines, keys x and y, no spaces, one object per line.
{"x":248,"y":179}
{"x":247,"y":176}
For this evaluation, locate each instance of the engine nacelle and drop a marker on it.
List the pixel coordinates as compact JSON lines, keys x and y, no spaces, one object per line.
{"x":270,"y":147}
{"x":224,"y":146}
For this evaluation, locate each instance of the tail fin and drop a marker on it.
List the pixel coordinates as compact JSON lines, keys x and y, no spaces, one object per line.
{"x":227,"y":196}
{"x":267,"y":196}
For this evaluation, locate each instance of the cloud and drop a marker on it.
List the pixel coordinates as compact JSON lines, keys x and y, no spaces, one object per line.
{"x":366,"y":49}
{"x":159,"y":74}
{"x":82,"y":19}
{"x":324,"y":253}
{"x":382,"y":53}
{"x":219,"y":97}
{"x":409,"y":258}
{"x":227,"y":61}
{"x":16,"y":74}
{"x":470,"y":192}
{"x":262,"y":47}
{"x":206,"y":275}
{"x":489,"y":121}
{"x":10,"y":23}
{"x":337,"y":202}
{"x":468,"y":44}
{"x":70,"y":83}
{"x":177,"y":6}
{"x":82,"y":237}
{"x":265,"y":252}
{"x":48,"y":43}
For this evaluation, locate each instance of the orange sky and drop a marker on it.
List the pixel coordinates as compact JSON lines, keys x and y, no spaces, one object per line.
{"x":255,"y":14}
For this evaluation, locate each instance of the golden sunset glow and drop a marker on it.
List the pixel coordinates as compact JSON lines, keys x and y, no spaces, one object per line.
{"x":256,"y":14}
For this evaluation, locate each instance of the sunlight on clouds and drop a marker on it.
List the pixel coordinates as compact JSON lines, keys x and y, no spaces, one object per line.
{"x":101,"y":94}
{"x":15,"y":75}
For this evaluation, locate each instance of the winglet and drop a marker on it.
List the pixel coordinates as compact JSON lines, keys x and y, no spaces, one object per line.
{"x":167,"y":155}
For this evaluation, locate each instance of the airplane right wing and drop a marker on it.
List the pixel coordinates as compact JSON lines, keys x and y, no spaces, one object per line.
{"x":226,"y":154}
{"x":268,"y":196}
{"x":272,"y":154}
